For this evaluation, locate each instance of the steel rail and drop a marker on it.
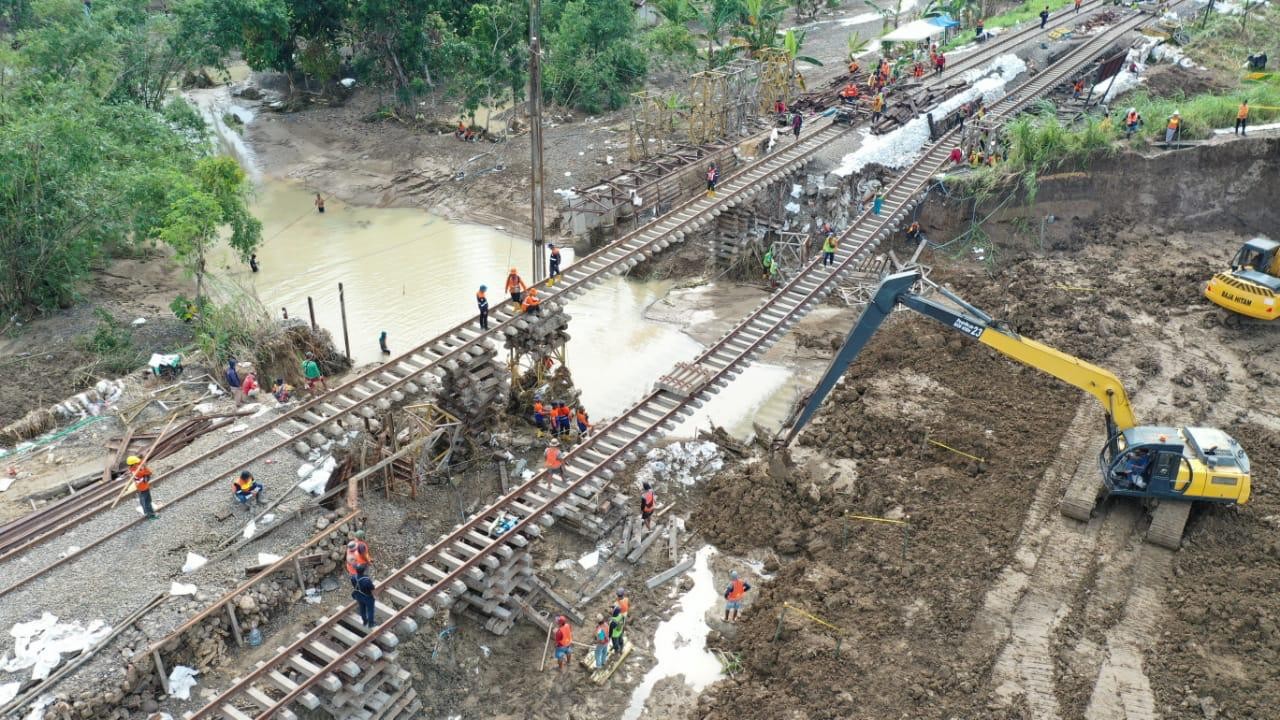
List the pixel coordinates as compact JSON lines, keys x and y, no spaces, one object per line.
{"x":738,"y":347}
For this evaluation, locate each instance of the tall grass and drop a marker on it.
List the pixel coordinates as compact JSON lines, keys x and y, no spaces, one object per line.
{"x":1201,"y":114}
{"x":1039,"y":143}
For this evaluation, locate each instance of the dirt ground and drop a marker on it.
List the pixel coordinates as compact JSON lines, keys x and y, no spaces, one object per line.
{"x":994,"y":577}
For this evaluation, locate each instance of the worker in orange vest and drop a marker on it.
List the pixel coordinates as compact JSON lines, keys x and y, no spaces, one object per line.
{"x":539,"y":415}
{"x":246,"y":488}
{"x":564,"y":642}
{"x":1242,"y":117}
{"x":531,"y":302}
{"x":516,"y":288}
{"x":564,"y":419}
{"x":1171,"y":127}
{"x":357,"y":557}
{"x":1077,"y":88}
{"x":733,"y":596}
{"x":584,"y":423}
{"x":140,"y":476}
{"x":555,"y":464}
{"x":648,"y":500}
{"x":624,"y":604}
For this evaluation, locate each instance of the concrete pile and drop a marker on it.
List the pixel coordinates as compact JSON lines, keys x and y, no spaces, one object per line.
{"x":473,"y":385}
{"x":539,"y":334}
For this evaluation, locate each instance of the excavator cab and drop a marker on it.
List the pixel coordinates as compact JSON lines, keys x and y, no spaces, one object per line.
{"x":1168,"y":463}
{"x":1251,"y":286}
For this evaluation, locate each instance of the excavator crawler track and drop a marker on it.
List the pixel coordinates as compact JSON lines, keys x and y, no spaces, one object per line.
{"x":1167,"y":522}
{"x":1081,"y":497}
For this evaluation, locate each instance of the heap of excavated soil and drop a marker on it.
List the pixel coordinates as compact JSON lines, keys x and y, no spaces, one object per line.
{"x":1224,"y":636}
{"x":906,"y":621}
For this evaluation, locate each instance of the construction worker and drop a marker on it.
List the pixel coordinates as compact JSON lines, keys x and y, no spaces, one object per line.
{"x":1078,"y":3}
{"x":554,"y":261}
{"x":939,"y":64}
{"x":713,"y":177}
{"x":1077,"y":88}
{"x":648,"y":501}
{"x":849,"y":93}
{"x":602,"y":641}
{"x":624,"y":604}
{"x":616,"y":622}
{"x":515,"y":288}
{"x":913,"y":231}
{"x":767,"y":261}
{"x":877,"y":107}
{"x":1171,"y":127}
{"x":957,"y":155}
{"x":539,"y":414}
{"x":584,"y":423}
{"x":1131,"y":121}
{"x":980,"y":31}
{"x":554,"y":462}
{"x":564,"y":642}
{"x":829,"y":250}
{"x":917,"y":71}
{"x":140,"y":476}
{"x":311,"y":373}
{"x":564,"y":419}
{"x":797,"y":122}
{"x":246,"y":488}
{"x":482,"y":303}
{"x":363,"y":595}
{"x":877,"y":204}
{"x":854,"y":67}
{"x":357,"y":557}
{"x":531,"y":302}
{"x":774,"y":271}
{"x":733,"y":596}
{"x":1044,"y":16}
{"x":1242,"y":117}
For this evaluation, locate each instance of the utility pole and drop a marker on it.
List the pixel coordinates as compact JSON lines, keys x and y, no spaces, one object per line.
{"x":535,"y":137}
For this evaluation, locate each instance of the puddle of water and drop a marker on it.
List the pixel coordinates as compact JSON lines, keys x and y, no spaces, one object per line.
{"x":680,"y":644}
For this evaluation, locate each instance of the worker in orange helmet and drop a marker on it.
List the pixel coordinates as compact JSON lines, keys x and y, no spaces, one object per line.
{"x":531,"y":302}
{"x":515,"y":288}
{"x":140,"y":476}
{"x":564,"y":642}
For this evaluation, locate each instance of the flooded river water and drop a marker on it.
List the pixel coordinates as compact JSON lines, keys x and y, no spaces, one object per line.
{"x":414,"y":275}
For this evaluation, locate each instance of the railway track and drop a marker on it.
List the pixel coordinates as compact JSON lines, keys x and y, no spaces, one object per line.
{"x":361,"y":395}
{"x":438,"y":575}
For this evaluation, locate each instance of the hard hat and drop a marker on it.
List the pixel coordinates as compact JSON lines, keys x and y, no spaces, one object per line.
{"x":622,"y":591}
{"x":1175,"y":112}
{"x":133,"y":460}
{"x":244,"y":475}
{"x":483,"y":288}
{"x":599,"y":617}
{"x":733,"y":574}
{"x":555,"y":442}
{"x":560,"y":620}
{"x":533,"y":291}
{"x":351,"y":545}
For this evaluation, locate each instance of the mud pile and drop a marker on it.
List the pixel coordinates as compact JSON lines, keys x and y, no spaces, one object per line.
{"x":1224,"y":636}
{"x":905,"y":620}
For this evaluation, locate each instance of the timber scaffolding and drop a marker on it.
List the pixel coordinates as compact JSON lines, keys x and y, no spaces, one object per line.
{"x":436,"y":578}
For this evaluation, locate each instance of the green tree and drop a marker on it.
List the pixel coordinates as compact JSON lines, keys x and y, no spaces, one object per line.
{"x":672,"y":38}
{"x":594,"y":58}
{"x":758,"y":21}
{"x":715,"y":17}
{"x":496,"y":68}
{"x":201,"y":206}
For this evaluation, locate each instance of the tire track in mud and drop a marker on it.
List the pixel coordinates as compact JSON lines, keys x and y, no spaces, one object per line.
{"x":1034,"y":593}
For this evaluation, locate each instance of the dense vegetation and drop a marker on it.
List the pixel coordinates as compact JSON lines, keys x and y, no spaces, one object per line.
{"x":95,"y":158}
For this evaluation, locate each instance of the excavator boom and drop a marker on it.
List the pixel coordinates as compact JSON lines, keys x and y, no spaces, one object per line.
{"x":896,"y":290}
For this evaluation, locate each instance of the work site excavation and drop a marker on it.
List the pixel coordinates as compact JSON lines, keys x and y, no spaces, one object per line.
{"x":614,"y":360}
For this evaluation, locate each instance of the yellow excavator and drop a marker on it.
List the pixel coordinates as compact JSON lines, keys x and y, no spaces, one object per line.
{"x":1167,"y":468}
{"x":1250,"y":287}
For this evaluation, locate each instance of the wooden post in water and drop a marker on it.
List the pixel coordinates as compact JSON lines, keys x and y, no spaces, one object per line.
{"x":311,"y":307}
{"x":342,"y":307}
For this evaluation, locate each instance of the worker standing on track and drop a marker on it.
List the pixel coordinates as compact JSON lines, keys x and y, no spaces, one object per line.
{"x":140,"y":475}
{"x":1044,"y":16}
{"x":713,"y":177}
{"x":602,"y":641}
{"x":482,"y":303}
{"x":733,"y":596}
{"x":515,"y":288}
{"x":829,"y":250}
{"x":246,"y":488}
{"x":648,"y":501}
{"x":1078,"y":3}
{"x":357,"y":557}
{"x":363,"y":595}
{"x":877,"y":204}
{"x":797,"y":122}
{"x":554,"y":261}
{"x":564,"y":642}
{"x":555,"y":464}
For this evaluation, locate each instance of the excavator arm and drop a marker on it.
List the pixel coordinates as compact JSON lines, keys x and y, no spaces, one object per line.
{"x":896,"y":290}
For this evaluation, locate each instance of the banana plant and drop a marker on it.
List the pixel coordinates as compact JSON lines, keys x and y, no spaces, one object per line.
{"x":857,"y":45}
{"x":758,"y":23}
{"x":791,"y":42}
{"x":889,"y":14}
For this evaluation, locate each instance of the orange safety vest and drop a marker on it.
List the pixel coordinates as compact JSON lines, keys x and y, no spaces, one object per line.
{"x":359,"y":556}
{"x":538,"y":408}
{"x":736,"y":590}
{"x":530,"y":301}
{"x":582,"y":418}
{"x":564,"y":636}
{"x":624,"y":604}
{"x":1244,"y":112}
{"x":514,"y":283}
{"x":244,"y":485}
{"x":647,"y":501}
{"x":553,"y":458}
{"x":1131,"y":118}
{"x":1173,"y":123}
{"x":142,"y":478}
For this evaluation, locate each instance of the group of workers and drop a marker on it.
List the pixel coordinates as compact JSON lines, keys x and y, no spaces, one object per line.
{"x":244,"y":488}
{"x":558,"y":419}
